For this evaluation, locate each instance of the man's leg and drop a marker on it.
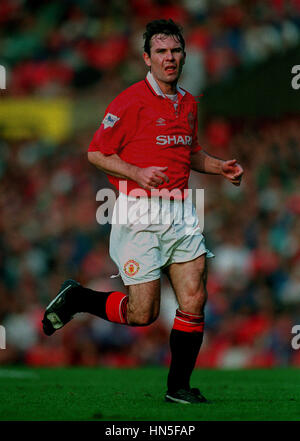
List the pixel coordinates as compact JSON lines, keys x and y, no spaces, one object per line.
{"x":143,"y":303}
{"x":188,"y":280}
{"x":139,"y":308}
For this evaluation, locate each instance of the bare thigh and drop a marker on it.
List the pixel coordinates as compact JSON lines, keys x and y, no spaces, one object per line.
{"x":143,"y":303}
{"x":188,"y":280}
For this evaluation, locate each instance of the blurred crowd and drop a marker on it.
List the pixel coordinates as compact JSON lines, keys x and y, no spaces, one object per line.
{"x":48,"y":189}
{"x":63,"y":48}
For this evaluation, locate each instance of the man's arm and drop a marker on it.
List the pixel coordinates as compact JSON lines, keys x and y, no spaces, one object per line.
{"x":148,"y":177}
{"x":113,"y":165}
{"x":205,"y":163}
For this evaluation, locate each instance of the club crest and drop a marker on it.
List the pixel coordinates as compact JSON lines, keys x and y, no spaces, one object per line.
{"x":191,"y":120}
{"x":131,"y":267}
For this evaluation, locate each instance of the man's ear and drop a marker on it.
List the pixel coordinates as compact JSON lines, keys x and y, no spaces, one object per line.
{"x":147,"y":59}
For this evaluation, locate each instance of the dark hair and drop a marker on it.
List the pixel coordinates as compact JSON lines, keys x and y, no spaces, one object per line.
{"x":166,"y":27}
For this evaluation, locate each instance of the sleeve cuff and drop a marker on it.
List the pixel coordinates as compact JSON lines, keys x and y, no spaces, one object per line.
{"x":105,"y":150}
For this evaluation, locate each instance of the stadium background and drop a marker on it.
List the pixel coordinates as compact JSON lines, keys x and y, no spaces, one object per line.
{"x":65,"y":62}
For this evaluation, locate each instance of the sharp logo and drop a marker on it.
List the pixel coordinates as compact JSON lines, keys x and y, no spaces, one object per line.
{"x":175,"y":139}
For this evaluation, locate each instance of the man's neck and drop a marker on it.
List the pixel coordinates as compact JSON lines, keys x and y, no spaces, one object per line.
{"x":166,"y":88}
{"x":157,"y":87}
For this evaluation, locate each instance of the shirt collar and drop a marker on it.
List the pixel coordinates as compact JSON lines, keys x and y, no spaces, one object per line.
{"x":153,"y":83}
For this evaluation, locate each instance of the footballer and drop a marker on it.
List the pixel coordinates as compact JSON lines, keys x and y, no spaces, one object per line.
{"x":148,"y":140}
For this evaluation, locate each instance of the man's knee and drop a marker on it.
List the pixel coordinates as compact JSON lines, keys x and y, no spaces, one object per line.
{"x":144,"y":302}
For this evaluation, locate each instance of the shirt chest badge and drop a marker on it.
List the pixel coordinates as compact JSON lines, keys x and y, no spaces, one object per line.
{"x":191,"y":120}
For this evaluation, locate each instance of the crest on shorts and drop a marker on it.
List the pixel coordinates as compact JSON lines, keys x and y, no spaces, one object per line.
{"x":191,"y":120}
{"x":110,"y":120}
{"x":131,"y":267}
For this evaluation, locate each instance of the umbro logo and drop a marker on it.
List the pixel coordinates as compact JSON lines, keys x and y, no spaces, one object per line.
{"x":161,"y":122}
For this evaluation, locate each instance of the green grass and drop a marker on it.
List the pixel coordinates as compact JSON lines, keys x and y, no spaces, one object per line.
{"x":90,"y":394}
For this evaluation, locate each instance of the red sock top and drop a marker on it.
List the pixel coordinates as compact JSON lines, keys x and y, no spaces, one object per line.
{"x":187,"y":322}
{"x":116,"y":307}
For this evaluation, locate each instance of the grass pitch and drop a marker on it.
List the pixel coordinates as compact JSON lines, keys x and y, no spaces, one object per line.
{"x":105,"y":394}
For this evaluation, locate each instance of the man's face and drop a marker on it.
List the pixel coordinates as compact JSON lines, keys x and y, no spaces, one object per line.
{"x":166,"y":59}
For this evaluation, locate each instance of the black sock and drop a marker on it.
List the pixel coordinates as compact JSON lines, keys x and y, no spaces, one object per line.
{"x":185,"y":347}
{"x":87,"y":300}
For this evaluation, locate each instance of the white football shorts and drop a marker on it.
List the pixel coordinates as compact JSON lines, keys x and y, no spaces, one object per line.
{"x":148,"y":234}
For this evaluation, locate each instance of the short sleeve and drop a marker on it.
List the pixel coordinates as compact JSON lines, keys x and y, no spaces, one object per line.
{"x":195,"y":144}
{"x":116,"y":128}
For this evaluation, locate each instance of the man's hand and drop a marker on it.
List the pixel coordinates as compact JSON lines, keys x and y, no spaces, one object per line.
{"x":232,"y":171}
{"x":151,"y":177}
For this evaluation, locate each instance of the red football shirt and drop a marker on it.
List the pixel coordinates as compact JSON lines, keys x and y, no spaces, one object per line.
{"x":144,"y":129}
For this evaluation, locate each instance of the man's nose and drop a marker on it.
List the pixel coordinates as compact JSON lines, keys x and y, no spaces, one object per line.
{"x":169,"y":55}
